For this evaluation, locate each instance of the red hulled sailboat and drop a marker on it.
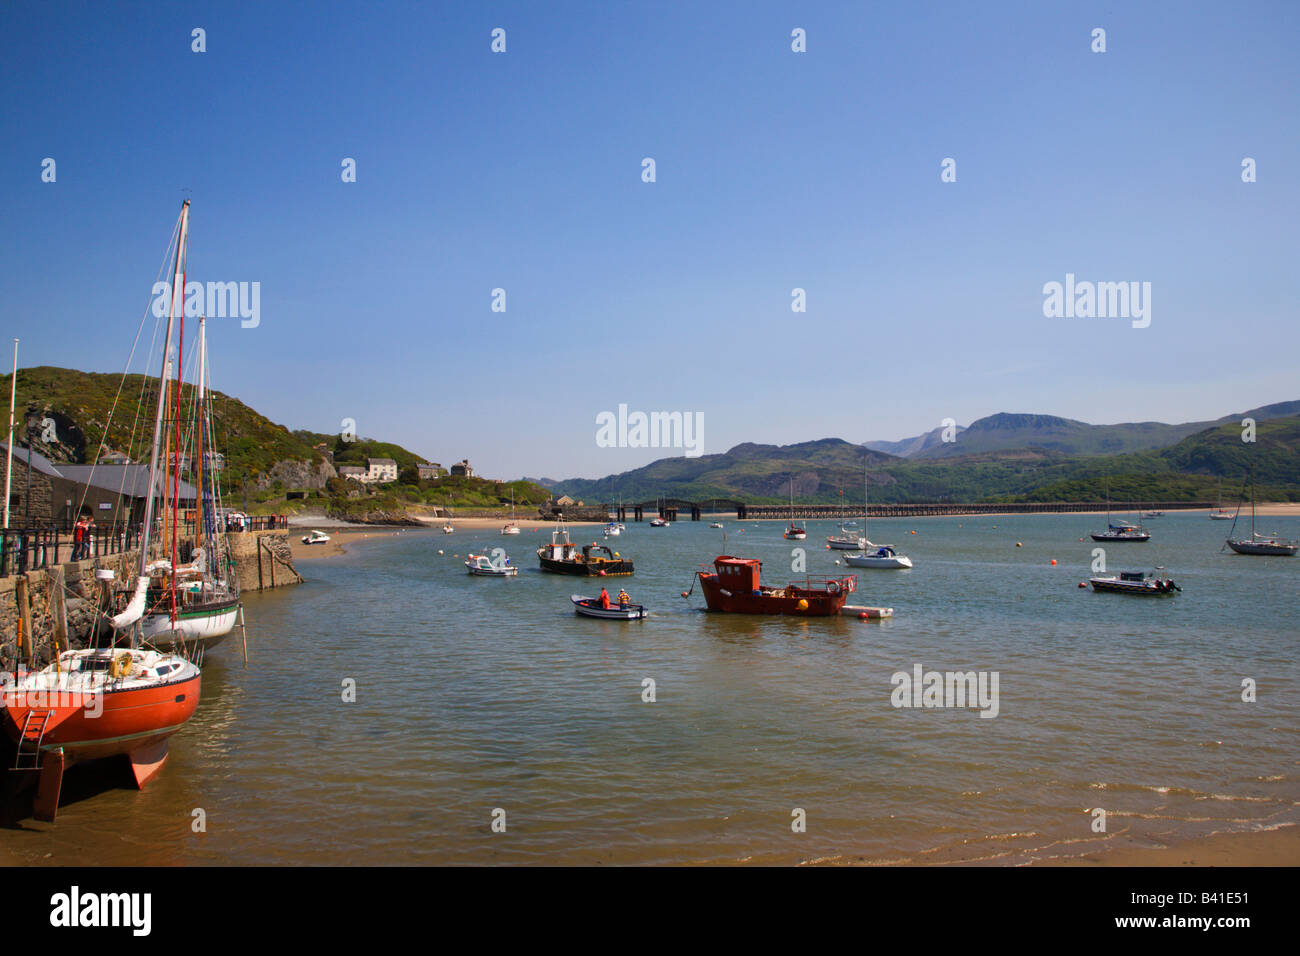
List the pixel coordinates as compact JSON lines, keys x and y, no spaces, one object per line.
{"x":119,"y":699}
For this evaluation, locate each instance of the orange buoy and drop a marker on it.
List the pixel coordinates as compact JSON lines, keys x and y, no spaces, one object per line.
{"x":683,"y":594}
{"x":864,"y":616}
{"x":1083,"y":584}
{"x":1053,"y":562}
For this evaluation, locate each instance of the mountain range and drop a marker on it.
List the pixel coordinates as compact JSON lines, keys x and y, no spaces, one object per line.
{"x":1003,"y":457}
{"x":1007,"y":431}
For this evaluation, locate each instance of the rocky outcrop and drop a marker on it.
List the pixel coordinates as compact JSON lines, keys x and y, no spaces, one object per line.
{"x":294,"y":474}
{"x":383,"y":516}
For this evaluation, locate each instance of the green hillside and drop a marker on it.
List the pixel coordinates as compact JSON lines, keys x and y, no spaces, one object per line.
{"x":80,"y":403}
{"x":1191,"y":469}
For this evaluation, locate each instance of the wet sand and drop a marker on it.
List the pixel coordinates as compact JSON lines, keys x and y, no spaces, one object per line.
{"x":340,"y":542}
{"x":1280,"y":847}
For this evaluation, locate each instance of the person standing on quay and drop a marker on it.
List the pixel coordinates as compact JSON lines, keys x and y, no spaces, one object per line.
{"x":79,"y":538}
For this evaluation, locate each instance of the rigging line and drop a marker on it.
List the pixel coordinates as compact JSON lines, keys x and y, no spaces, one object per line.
{"x":122,"y":383}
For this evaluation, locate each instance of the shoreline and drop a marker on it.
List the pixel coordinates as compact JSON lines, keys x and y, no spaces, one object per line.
{"x":1284,"y":509}
{"x":344,"y":536}
{"x":1275,"y":847}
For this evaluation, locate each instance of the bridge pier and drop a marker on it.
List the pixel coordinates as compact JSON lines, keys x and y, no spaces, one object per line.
{"x":636,"y":510}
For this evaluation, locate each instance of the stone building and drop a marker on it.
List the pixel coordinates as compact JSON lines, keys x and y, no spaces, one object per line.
{"x":59,"y":492}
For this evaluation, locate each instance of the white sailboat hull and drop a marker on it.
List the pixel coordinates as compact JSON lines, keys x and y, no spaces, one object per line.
{"x":201,"y":626}
{"x":898,"y":561}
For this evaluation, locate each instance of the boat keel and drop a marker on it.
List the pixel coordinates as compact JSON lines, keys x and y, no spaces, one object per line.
{"x":48,"y":787}
{"x":147,"y":761}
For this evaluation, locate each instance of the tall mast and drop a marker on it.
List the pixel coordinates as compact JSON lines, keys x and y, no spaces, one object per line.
{"x":200,"y":525}
{"x":9,"y":446}
{"x":177,"y":291}
{"x":865,"y":536}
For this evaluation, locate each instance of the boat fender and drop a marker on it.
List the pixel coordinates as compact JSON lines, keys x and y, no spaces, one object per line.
{"x":724,"y":592}
{"x":803,"y":604}
{"x":121,"y":665}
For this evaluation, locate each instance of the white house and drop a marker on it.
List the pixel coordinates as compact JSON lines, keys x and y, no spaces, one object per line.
{"x":380,"y":471}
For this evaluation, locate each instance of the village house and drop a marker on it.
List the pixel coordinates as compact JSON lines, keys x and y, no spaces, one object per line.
{"x":380,"y":471}
{"x":355,"y":472}
{"x":428,"y":472}
{"x":462,"y":469}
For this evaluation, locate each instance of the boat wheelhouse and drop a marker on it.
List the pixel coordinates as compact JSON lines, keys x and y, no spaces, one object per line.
{"x":733,"y":585}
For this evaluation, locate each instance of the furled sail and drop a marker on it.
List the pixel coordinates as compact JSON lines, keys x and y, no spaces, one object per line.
{"x":135,"y":609}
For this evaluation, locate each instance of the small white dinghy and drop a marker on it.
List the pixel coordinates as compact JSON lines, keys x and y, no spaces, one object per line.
{"x":590,"y":607}
{"x":883,"y":557}
{"x":316,"y":537}
{"x":482,"y":566}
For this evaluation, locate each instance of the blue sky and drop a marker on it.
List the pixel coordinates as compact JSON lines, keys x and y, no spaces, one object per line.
{"x":775,"y":170}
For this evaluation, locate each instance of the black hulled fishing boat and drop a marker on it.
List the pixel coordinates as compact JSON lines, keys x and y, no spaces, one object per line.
{"x":562,"y":556}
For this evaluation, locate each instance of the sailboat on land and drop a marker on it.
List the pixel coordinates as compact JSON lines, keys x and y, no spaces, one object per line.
{"x":113,"y":700}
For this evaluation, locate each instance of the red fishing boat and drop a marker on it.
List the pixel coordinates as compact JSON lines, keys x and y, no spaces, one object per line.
{"x":732,"y":585}
{"x":112,"y":700}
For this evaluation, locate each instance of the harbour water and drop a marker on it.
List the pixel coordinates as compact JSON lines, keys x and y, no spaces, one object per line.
{"x":474,"y":694}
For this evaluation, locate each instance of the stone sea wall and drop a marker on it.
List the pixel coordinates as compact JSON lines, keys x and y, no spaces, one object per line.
{"x":262,"y":560}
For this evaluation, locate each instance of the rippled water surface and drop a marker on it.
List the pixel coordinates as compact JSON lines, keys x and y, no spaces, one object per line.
{"x":475,"y":694}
